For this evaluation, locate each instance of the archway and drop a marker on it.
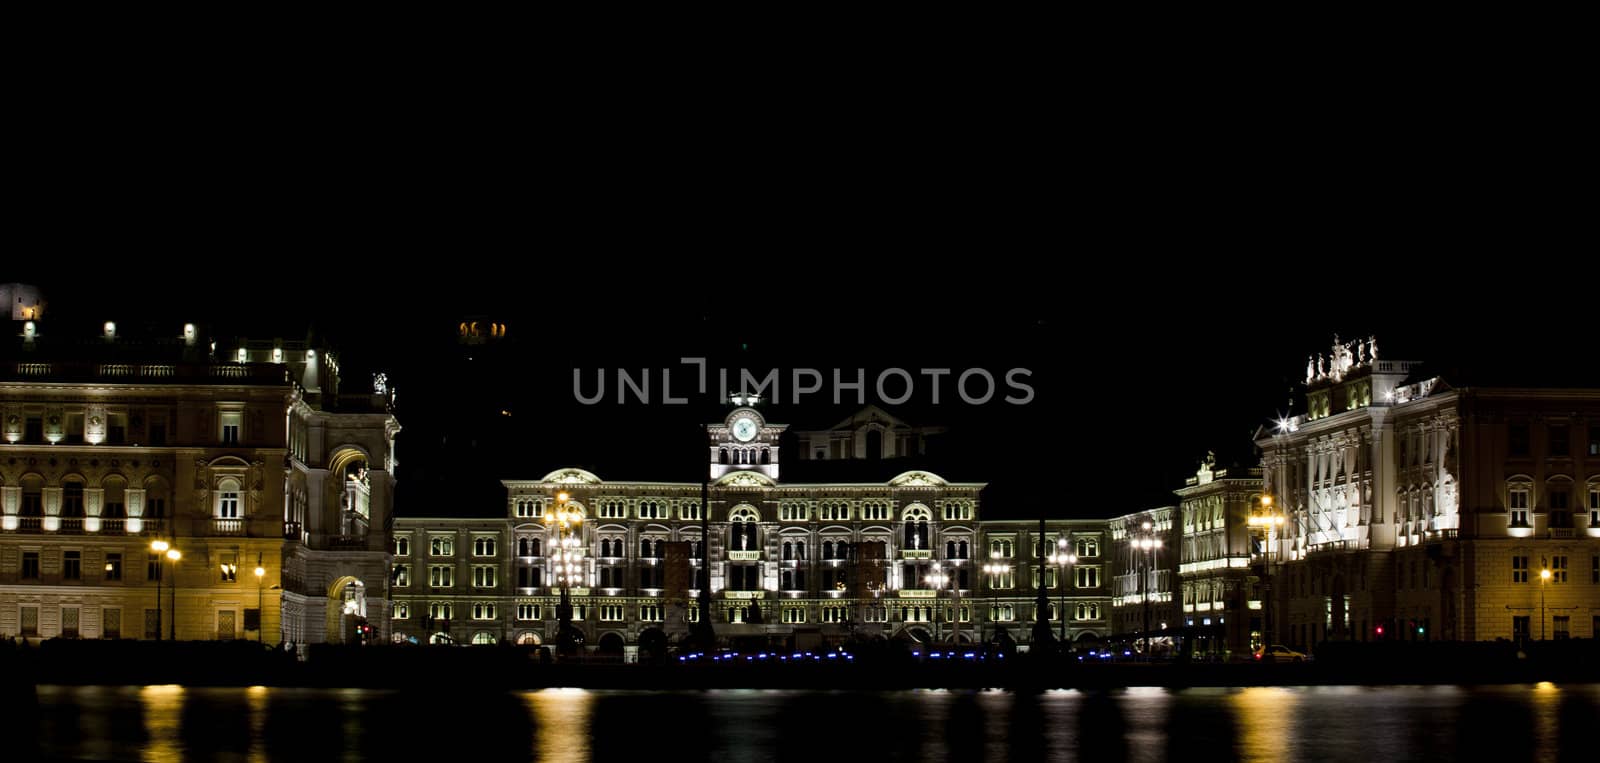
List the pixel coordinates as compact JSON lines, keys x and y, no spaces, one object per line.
{"x":347,"y":609}
{"x":652,"y":645}
{"x":610,"y":643}
{"x":528,"y":638}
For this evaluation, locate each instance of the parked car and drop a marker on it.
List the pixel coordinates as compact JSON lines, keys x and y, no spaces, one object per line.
{"x":1279,"y":653}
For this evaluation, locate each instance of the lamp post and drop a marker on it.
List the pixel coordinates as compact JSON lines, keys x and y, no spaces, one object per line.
{"x":1064,"y":561}
{"x":1269,"y":524}
{"x":937,"y":579}
{"x":160,"y":547}
{"x":174,"y":555}
{"x":564,"y":524}
{"x":994,"y":569}
{"x":261,"y":619}
{"x":1148,"y":545}
{"x":1544,"y":577}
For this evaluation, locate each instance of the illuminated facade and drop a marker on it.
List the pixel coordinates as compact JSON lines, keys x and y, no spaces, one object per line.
{"x":815,"y":562}
{"x":1145,"y":547}
{"x":1219,"y":594}
{"x":1408,"y":509}
{"x":236,"y":456}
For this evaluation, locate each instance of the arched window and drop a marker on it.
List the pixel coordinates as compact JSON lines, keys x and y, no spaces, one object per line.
{"x":228,"y":499}
{"x":742,"y":529}
{"x":722,"y":457}
{"x":827,"y":549}
{"x":916,"y":518}
{"x":874,"y":444}
{"x":800,"y":550}
{"x":766,"y":456}
{"x":949,"y":549}
{"x":72,"y":498}
{"x":155,"y":498}
{"x":644,"y":548}
{"x":788,"y":550}
{"x":32,"y":495}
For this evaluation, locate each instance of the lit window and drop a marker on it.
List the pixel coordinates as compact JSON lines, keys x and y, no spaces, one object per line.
{"x":1518,"y":501}
{"x":793,"y":511}
{"x":1088,"y":611}
{"x":875,"y":511}
{"x":442,"y":546}
{"x":402,"y":575}
{"x":482,"y":611}
{"x":1088,"y":577}
{"x":483,"y":576}
{"x":481,"y":638}
{"x":1002,"y":580}
{"x":833,"y":511}
{"x":231,"y":421}
{"x":1002,"y":613}
{"x":957,"y":511}
{"x":483,"y":547}
{"x":402,"y":611}
{"x":613,"y":510}
{"x":1087,"y":547}
{"x":689,"y":510}
{"x":650,"y":613}
{"x":1003,"y":548}
{"x":439,"y":610}
{"x":875,"y":613}
{"x":652,"y":510}
{"x":794,"y":614}
{"x":611,"y":613}
{"x":228,"y":499}
{"x":530,"y":612}
{"x":402,"y":546}
{"x":441,"y":576}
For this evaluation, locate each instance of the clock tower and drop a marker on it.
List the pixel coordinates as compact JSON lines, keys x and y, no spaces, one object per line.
{"x":744,"y":441}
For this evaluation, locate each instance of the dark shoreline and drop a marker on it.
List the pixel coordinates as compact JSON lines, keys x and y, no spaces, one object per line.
{"x":245,"y":664}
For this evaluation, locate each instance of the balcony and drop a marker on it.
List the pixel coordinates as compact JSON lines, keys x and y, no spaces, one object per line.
{"x":291,"y":531}
{"x":113,"y":526}
{"x":30,"y":524}
{"x":916,"y":553}
{"x":71,"y":525}
{"x":1562,"y":532}
{"x":227,"y":526}
{"x":744,"y":556}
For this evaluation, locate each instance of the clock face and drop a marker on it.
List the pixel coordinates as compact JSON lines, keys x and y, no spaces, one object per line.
{"x":744,"y":429}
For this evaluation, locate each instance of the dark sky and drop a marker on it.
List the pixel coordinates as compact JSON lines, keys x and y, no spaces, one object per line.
{"x":1138,"y":368}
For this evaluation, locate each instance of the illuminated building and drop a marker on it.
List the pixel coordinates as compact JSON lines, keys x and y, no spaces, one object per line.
{"x":813,"y":561}
{"x":1144,"y":547}
{"x":1219,"y":595}
{"x":234,"y":453}
{"x":1407,"y":508}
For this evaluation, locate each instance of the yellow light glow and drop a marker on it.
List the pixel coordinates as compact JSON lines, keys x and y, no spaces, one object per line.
{"x":158,"y":546}
{"x":261,"y":572}
{"x":563,"y":497}
{"x":174,"y":554}
{"x":1266,"y":500}
{"x":1544,"y":574}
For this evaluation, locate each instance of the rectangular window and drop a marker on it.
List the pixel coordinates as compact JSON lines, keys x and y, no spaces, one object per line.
{"x":875,"y":512}
{"x":1594,"y":511}
{"x":116,"y":429}
{"x":229,"y":567}
{"x":231,"y":421}
{"x":1002,"y":580}
{"x":1088,"y":577}
{"x":30,"y":621}
{"x":30,"y":565}
{"x":152,"y":567}
{"x":402,"y":547}
{"x":402,"y":611}
{"x":794,"y":614}
{"x":482,"y":611}
{"x":1558,"y":569}
{"x":1519,"y":569}
{"x":152,"y":623}
{"x":875,"y":613}
{"x":611,"y":613}
{"x":1561,"y":626}
{"x":72,"y":565}
{"x":483,"y":547}
{"x":442,"y":546}
{"x":1594,"y":577}
{"x":528,"y":577}
{"x":69,"y":622}
{"x":33,"y":430}
{"x":1517,"y":440}
{"x":1560,"y":441}
{"x":957,"y":511}
{"x":650,"y":613}
{"x":113,"y":567}
{"x":483,"y":577}
{"x":441,"y":576}
{"x":111,"y":623}
{"x":1560,"y":508}
{"x":1088,"y":611}
{"x":402,"y":575}
{"x":530,"y":612}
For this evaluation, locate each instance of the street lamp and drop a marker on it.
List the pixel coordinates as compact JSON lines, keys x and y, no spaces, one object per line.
{"x":174,"y":555}
{"x":1269,"y":523}
{"x":261,"y":620}
{"x":564,"y":525}
{"x":1148,"y":545}
{"x":937,"y":579}
{"x":994,"y":569}
{"x":160,"y":547}
{"x":1064,"y":561}
{"x":1544,"y":577}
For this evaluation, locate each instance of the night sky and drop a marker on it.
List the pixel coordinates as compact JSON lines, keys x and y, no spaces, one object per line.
{"x":1137,"y":370}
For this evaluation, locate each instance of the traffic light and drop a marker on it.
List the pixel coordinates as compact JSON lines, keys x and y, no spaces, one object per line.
{"x":1380,"y":629}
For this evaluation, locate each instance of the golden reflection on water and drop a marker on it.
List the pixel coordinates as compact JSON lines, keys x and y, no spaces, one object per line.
{"x":1266,"y":721}
{"x":561,"y":719}
{"x":1546,"y":702}
{"x":163,"y":711}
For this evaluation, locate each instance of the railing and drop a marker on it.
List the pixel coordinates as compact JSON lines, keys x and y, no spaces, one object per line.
{"x":118,"y":526}
{"x":153,"y":526}
{"x":1562,"y":532}
{"x":227,"y":526}
{"x":30,"y":524}
{"x":71,"y":525}
{"x":117,"y":369}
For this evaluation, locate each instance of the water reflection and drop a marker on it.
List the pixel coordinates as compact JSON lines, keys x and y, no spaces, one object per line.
{"x":257,"y":724}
